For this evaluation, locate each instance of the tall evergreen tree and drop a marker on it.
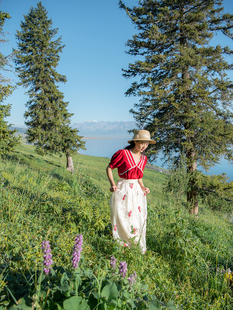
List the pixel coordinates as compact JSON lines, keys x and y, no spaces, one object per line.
{"x":185,"y":94}
{"x":36,"y":60}
{"x":8,"y":140}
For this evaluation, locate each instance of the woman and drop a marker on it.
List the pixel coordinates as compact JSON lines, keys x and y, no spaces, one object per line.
{"x":128,"y":202}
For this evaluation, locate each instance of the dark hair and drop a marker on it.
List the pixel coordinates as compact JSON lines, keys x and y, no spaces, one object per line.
{"x":130,"y":146}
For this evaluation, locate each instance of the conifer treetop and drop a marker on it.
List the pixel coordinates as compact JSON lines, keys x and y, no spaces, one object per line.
{"x":37,"y":56}
{"x":185,"y":95}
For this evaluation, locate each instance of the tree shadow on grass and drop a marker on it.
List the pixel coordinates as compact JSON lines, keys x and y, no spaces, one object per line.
{"x":28,"y":159}
{"x":53,"y":164}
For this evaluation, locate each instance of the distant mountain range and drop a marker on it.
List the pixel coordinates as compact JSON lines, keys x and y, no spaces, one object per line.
{"x":104,"y":129}
{"x":97,"y":129}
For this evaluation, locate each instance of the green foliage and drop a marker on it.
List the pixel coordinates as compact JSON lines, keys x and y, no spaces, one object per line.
{"x":36,"y":59}
{"x":185,"y":94}
{"x":198,"y":251}
{"x":82,"y":289}
{"x":7,"y":139}
{"x":71,"y":141}
{"x":214,"y":190}
{"x":177,"y":182}
{"x":217,"y":192}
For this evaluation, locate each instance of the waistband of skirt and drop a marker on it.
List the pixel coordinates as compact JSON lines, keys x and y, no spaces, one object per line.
{"x":128,"y":180}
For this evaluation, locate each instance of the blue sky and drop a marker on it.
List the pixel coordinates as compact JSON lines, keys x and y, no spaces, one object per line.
{"x":94,"y":33}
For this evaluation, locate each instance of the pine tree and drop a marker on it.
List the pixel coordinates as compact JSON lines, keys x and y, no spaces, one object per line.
{"x":36,"y":60}
{"x":185,"y":94}
{"x":8,"y":140}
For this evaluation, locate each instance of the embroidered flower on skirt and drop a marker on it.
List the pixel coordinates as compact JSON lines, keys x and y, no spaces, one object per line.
{"x":133,"y":230}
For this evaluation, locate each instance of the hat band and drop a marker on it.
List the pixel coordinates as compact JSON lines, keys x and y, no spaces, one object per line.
{"x":141,"y":137}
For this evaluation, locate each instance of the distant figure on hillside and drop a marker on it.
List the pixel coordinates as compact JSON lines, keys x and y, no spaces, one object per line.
{"x":128,"y":201}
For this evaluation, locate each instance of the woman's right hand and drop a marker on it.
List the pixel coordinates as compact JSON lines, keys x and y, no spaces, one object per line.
{"x":113,"y":188}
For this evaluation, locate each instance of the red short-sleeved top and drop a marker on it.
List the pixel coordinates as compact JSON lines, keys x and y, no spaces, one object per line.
{"x":127,"y":168}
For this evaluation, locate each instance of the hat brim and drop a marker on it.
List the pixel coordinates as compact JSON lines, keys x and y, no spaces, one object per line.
{"x":149,"y":141}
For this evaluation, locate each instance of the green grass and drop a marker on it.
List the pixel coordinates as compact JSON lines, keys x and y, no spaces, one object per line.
{"x":187,"y":256}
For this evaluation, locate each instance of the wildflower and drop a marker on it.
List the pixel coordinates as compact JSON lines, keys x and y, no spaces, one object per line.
{"x":132,"y":278}
{"x":77,"y":250}
{"x":123,"y":268}
{"x":45,"y":246}
{"x":125,"y":245}
{"x":113,"y":262}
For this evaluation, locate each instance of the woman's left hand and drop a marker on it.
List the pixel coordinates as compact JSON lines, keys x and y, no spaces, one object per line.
{"x":145,"y":189}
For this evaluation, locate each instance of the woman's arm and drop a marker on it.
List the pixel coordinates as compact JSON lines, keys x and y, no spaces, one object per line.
{"x":145,"y":189}
{"x":113,"y":187}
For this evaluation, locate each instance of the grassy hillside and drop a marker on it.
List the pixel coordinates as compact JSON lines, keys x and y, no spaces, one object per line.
{"x":187,"y":261}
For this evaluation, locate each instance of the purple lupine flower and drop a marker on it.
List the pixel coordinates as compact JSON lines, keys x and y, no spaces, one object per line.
{"x":123,"y":268}
{"x":77,"y":250}
{"x":132,"y":278}
{"x":45,"y":246}
{"x":113,"y":262}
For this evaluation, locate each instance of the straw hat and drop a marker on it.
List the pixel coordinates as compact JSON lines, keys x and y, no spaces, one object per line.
{"x":142,"y":135}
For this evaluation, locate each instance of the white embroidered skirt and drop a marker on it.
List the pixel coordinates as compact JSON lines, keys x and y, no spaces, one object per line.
{"x":129,"y":213}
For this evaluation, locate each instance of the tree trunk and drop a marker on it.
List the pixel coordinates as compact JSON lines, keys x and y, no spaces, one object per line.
{"x":192,"y":194}
{"x":69,"y":163}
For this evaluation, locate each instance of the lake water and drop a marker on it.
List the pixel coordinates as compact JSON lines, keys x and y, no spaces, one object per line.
{"x":107,"y":147}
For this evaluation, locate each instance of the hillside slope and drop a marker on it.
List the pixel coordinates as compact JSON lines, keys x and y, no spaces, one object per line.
{"x":187,"y":261}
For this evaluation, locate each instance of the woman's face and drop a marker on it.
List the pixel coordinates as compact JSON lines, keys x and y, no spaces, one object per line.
{"x":140,"y":146}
